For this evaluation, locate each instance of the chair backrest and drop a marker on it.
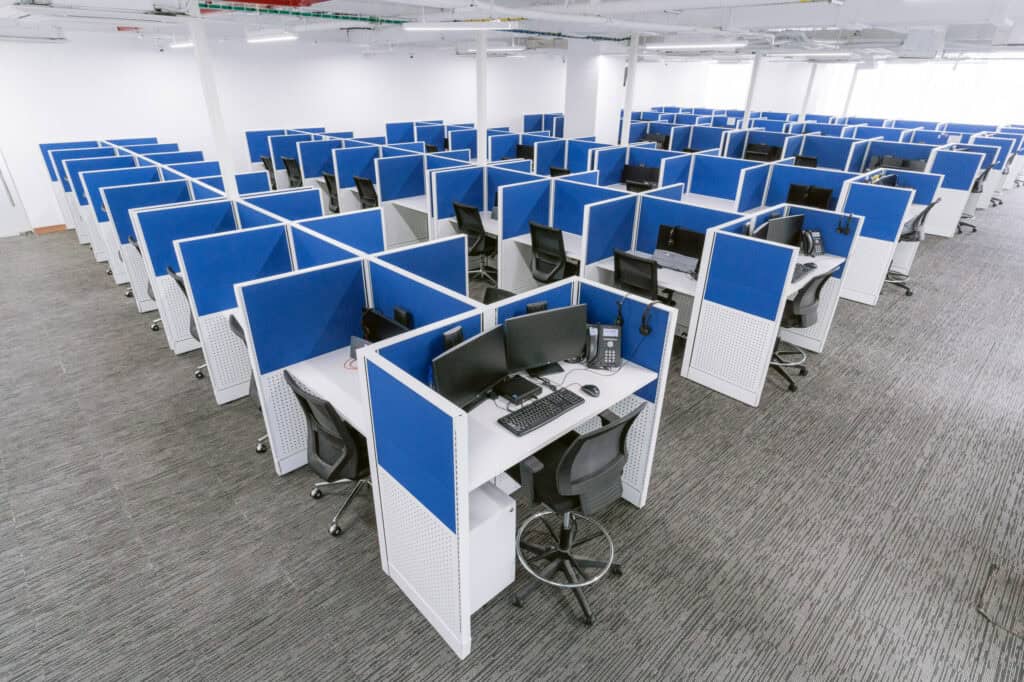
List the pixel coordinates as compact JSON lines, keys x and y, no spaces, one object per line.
{"x":979,"y":184}
{"x":291,"y":167}
{"x":177,"y":280}
{"x":430,"y":148}
{"x":269,"y":166}
{"x":492,"y":294}
{"x":918,"y":222}
{"x":636,"y":274}
{"x":591,"y":467}
{"x":236,"y":328}
{"x":558,"y":171}
{"x":332,"y":448}
{"x":548,"y":253}
{"x":332,"y":192}
{"x":468,"y":219}
{"x":367,"y":192}
{"x":802,"y":310}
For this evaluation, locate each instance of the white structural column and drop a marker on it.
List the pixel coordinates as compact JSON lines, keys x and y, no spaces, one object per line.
{"x":849,"y":93}
{"x":222,"y":147}
{"x":807,"y":95}
{"x":582,"y":73}
{"x":750,"y":89}
{"x":481,"y":98}
{"x":627,"y":108}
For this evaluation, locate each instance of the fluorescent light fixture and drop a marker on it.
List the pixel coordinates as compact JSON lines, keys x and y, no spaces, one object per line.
{"x":182,"y":45}
{"x":279,"y":38}
{"x":513,"y":48}
{"x":809,"y":54}
{"x":487,"y":25}
{"x":995,"y":54}
{"x":695,"y":46}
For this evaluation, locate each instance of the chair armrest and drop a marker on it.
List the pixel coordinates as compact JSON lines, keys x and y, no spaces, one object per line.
{"x":607,"y":417}
{"x":528,"y":468}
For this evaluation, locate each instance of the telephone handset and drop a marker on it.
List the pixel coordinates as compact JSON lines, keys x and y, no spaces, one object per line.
{"x":604,"y":346}
{"x":810,"y":243}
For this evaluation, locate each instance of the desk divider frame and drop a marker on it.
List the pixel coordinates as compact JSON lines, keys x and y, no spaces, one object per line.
{"x":95,"y":182}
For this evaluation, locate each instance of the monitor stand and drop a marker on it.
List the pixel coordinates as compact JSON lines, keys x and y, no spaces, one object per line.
{"x":545,"y":370}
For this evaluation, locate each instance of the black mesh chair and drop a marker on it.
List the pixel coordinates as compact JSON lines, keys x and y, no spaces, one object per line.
{"x":639,"y":275}
{"x":549,"y":260}
{"x":331,"y":183}
{"x":976,"y":189}
{"x":800,"y":312}
{"x":912,"y":232}
{"x":367,"y":192}
{"x":577,"y":475}
{"x":479,"y":244}
{"x":236,"y":328}
{"x":494,"y":294}
{"x":192,"y":329}
{"x":269,"y":166}
{"x":155,"y":324}
{"x":336,"y":452}
{"x":430,"y":148}
{"x":291,"y":167}
{"x":558,"y":171}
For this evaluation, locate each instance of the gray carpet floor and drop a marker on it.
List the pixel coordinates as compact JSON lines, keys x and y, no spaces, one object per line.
{"x":841,"y":532}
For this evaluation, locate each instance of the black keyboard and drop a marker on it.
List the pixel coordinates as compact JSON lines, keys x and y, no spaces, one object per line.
{"x":538,"y":413}
{"x":801,"y":269}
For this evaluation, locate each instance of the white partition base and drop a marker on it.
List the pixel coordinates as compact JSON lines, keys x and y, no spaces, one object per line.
{"x":137,"y":278}
{"x":403,"y":223}
{"x":903,"y":257}
{"x":286,"y":424}
{"x":348,"y":200}
{"x":866,"y":268}
{"x":107,"y":234}
{"x":175,"y":315}
{"x":99,"y":246}
{"x":991,"y":185}
{"x":62,"y":204}
{"x":813,"y":338}
{"x":514,"y":271}
{"x":226,"y":357}
{"x":943,"y":219}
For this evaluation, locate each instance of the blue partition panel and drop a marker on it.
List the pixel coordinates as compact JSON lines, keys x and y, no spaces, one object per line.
{"x":355,"y":161}
{"x":677,"y":169}
{"x":655,"y":212}
{"x":196,"y":169}
{"x":783,"y":176}
{"x":96,"y":181}
{"x":925,"y":185}
{"x":523,"y":203}
{"x":403,"y":149}
{"x":363,"y":230}
{"x":558,"y":296}
{"x":828,"y":129}
{"x":587,"y":177}
{"x":443,"y":261}
{"x":533,"y":122}
{"x":577,"y":154}
{"x":315,"y":157}
{"x":497,"y":176}
{"x":218,"y":262}
{"x":902,"y":150}
{"x":837,"y":231}
{"x":48,"y":147}
{"x":391,"y":288}
{"x":521,"y":165}
{"x":569,"y":200}
{"x":168,"y":158}
{"x":286,"y":145}
{"x":637,"y":131}
{"x":400,"y":132}
{"x":147,"y":149}
{"x":444,"y":160}
{"x":432,"y":135}
{"x":680,"y":138}
{"x":957,"y":168}
{"x":416,"y":354}
{"x":502,"y":146}
{"x":858,"y":156}
{"x":305,"y":314}
{"x":752,"y":187}
{"x":831,"y":152}
{"x":255,"y":181}
{"x":747,"y":275}
{"x":609,"y":164}
{"x":463,"y":139}
{"x":646,"y":351}
{"x":61,"y":156}
{"x":208,"y":188}
{"x":414,"y":442}
{"x":611,"y":227}
{"x":312,"y":250}
{"x":250,"y":217}
{"x":650,"y":157}
{"x":1005,"y":145}
{"x":547,"y":154}
{"x":735,"y":143}
{"x":345,"y":134}
{"x":258,"y":144}
{"x":161,"y":227}
{"x":717,"y":176}
{"x":533,"y":138}
{"x":882,"y":208}
{"x":704,"y":137}
{"x":462,"y":185}
{"x":120,"y":200}
{"x":77,"y":166}
{"x":400,"y":176}
{"x":905,"y":123}
{"x":870,"y":132}
{"x":292,"y":205}
{"x":968,"y":128}
{"x":673,"y":192}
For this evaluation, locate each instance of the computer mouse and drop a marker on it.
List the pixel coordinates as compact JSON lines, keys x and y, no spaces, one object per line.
{"x":811,"y":266}
{"x":591,"y":390}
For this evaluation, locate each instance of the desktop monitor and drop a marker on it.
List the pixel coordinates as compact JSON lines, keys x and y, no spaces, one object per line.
{"x":464,"y":373}
{"x":636,"y":274}
{"x":785,"y":230}
{"x":809,"y":195}
{"x":805,"y":161}
{"x":524,"y":151}
{"x":539,"y":341}
{"x":377,"y":326}
{"x":680,"y":240}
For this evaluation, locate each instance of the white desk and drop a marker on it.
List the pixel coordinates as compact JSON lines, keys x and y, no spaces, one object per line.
{"x":418,"y":203}
{"x":495,"y":449}
{"x":490,"y":224}
{"x":573,"y":244}
{"x":327,"y":376}
{"x":678,"y":282}
{"x":826,"y":264}
{"x":713,"y":203}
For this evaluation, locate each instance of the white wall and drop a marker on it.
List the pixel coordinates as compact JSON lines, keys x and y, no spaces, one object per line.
{"x":125,"y":87}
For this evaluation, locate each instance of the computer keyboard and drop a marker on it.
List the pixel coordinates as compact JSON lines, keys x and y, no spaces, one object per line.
{"x":802,"y":269}
{"x":538,"y":413}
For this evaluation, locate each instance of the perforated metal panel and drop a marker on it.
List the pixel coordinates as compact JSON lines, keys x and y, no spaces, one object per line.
{"x":225,"y":353}
{"x":422,"y":550}
{"x":286,"y":424}
{"x":137,"y":276}
{"x":174,"y":310}
{"x":732,"y":345}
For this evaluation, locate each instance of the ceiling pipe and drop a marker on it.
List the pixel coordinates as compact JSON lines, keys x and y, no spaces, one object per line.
{"x":641,"y":6}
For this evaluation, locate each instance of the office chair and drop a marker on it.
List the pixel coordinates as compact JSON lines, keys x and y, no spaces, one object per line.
{"x":332,"y":193}
{"x":972,"y":204}
{"x":192,"y":329}
{"x":236,"y":328}
{"x":577,"y":475}
{"x":800,"y":312}
{"x":558,"y":171}
{"x":492,"y":294}
{"x":478,"y":243}
{"x":431,"y":148}
{"x":291,"y":167}
{"x":549,"y":261}
{"x":367,"y":192}
{"x":913,"y":232}
{"x":155,"y":324}
{"x":639,"y":275}
{"x":268,"y":165}
{"x":336,"y":452}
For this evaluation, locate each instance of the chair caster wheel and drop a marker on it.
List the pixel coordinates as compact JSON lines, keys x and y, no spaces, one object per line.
{"x":909,"y":293}
{"x":198,"y":374}
{"x":316,"y":493}
{"x":109,"y":271}
{"x":129,"y":294}
{"x":155,"y":327}
{"x":588,"y":621}
{"x":517,"y":602}
{"x":792,"y":389}
{"x":803,"y":371}
{"x":616,"y":570}
{"x":261,"y":447}
{"x":335,"y":530}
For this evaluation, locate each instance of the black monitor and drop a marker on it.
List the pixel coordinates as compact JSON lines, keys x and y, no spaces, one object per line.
{"x":809,"y":195}
{"x":377,"y":326}
{"x":642,"y":175}
{"x":681,"y":241}
{"x":464,"y":373}
{"x":402,"y":317}
{"x":558,"y":171}
{"x":524,"y":151}
{"x":785,"y":230}
{"x":915,"y":164}
{"x":762,"y":152}
{"x":805,"y":161}
{"x":539,"y":341}
{"x":889,"y":180}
